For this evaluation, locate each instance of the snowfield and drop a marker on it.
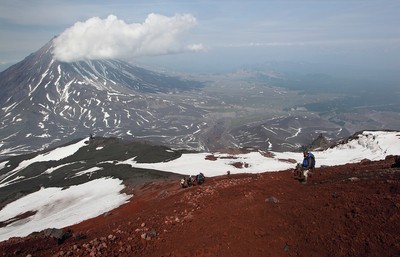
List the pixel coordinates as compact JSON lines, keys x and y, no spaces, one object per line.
{"x":372,"y":145}
{"x":54,"y":207}
{"x":58,"y":208}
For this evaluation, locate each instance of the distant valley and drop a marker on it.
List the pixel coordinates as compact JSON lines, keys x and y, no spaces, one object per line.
{"x":45,"y":103}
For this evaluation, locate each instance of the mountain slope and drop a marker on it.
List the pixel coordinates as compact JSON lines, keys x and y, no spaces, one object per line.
{"x":349,"y":210}
{"x":284,"y":133}
{"x":44,"y":101}
{"x":61,"y":174}
{"x":79,"y":162}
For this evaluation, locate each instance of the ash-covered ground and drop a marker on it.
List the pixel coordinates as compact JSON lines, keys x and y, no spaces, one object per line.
{"x":347,"y":210}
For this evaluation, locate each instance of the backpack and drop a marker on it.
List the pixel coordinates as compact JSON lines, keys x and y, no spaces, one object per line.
{"x":200,"y":178}
{"x":305,"y":160}
{"x":310,"y":155}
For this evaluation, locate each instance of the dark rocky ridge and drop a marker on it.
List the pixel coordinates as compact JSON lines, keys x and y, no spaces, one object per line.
{"x":97,"y":153}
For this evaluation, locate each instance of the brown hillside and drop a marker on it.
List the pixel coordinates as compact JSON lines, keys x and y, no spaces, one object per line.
{"x":349,"y":210}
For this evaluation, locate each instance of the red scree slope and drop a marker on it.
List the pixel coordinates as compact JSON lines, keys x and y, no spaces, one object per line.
{"x":348,"y":210}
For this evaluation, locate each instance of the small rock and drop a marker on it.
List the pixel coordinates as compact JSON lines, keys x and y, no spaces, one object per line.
{"x":260,"y":233}
{"x":163,"y":193}
{"x":129,"y":249}
{"x":286,"y":248}
{"x":396,"y":163}
{"x":79,"y":236}
{"x":365,"y":161}
{"x":272,"y":199}
{"x":153,"y":232}
{"x":59,"y":234}
{"x":189,"y":217}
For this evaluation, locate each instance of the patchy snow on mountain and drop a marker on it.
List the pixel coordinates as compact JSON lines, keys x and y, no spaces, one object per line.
{"x":54,"y":155}
{"x":88,"y":172}
{"x":372,"y":145}
{"x":55,"y":207}
{"x":107,"y":97}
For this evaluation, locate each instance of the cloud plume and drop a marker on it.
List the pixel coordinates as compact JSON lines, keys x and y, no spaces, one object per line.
{"x":113,"y":38}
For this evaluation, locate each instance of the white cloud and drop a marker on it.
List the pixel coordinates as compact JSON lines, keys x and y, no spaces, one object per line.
{"x":196,"y":47}
{"x":113,"y":38}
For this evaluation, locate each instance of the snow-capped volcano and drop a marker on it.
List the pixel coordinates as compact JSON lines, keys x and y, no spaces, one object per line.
{"x":44,"y":101}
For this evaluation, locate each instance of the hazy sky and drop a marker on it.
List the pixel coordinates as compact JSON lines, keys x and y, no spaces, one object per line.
{"x":206,"y":35}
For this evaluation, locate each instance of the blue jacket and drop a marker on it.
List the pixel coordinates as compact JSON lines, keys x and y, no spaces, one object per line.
{"x":309,"y":158}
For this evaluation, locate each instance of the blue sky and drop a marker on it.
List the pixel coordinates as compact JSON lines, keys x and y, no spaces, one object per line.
{"x":226,"y":34}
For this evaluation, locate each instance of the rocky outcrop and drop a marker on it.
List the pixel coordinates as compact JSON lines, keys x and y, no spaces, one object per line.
{"x":320,"y":143}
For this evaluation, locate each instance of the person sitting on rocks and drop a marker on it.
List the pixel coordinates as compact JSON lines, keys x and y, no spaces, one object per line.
{"x":302,"y":170}
{"x":190,"y":181}
{"x":183,"y":183}
{"x":200,"y":178}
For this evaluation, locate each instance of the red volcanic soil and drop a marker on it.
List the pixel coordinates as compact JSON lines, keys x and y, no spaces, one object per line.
{"x":349,"y":210}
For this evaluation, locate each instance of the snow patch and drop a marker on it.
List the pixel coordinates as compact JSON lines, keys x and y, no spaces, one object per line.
{"x":54,"y":155}
{"x":59,"y":208}
{"x":88,"y":171}
{"x":370,"y":145}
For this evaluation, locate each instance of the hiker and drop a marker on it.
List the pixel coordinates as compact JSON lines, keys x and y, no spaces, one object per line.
{"x":200,"y":178}
{"x":190,"y":181}
{"x":183,"y":183}
{"x":306,"y":166}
